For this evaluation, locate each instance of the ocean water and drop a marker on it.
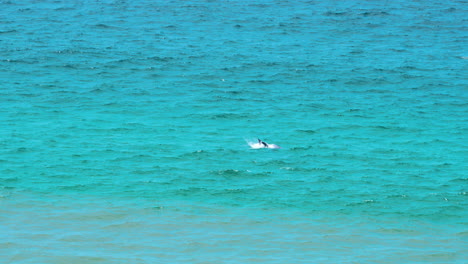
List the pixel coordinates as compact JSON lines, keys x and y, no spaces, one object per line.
{"x":124,"y":129}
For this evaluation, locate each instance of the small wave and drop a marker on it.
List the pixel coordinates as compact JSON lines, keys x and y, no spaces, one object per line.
{"x":22,"y":150}
{"x":100,"y":25}
{"x":307,"y":131}
{"x":77,"y":187}
{"x":301,"y":148}
{"x":239,"y":173}
{"x":8,"y":31}
{"x":161,"y":59}
{"x":227,"y":116}
{"x":198,"y":154}
{"x":300,"y":169}
{"x":375,"y":13}
{"x":360,"y":203}
{"x":64,"y":9}
{"x":330,"y":13}
{"x":230,"y":172}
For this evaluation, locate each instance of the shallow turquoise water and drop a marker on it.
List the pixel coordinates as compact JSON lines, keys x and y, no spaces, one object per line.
{"x":124,"y":128}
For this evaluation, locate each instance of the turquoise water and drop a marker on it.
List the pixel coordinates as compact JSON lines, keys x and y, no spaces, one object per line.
{"x":124,"y":129}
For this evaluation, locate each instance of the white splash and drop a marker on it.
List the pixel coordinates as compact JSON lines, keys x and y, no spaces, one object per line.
{"x":261,"y":144}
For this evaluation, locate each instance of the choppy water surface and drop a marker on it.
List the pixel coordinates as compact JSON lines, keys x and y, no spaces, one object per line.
{"x":124,"y":128}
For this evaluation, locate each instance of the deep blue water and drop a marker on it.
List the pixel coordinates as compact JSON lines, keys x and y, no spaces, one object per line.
{"x":124,"y":130}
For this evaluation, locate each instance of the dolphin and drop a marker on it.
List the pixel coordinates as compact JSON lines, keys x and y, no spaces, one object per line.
{"x":262,"y":144}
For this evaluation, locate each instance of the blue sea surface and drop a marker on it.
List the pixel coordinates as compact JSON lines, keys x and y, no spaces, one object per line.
{"x":124,"y":130}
